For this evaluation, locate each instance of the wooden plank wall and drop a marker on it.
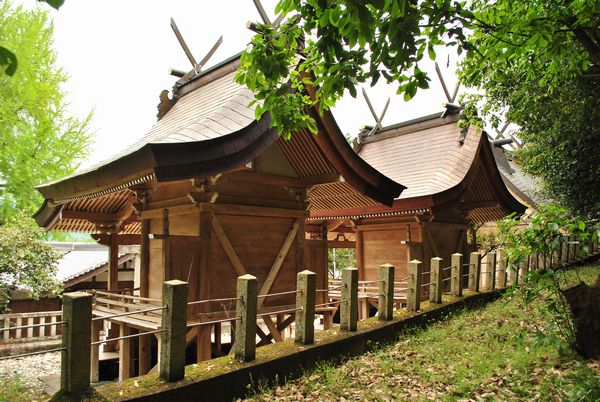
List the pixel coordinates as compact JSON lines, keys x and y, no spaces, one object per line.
{"x":388,"y":243}
{"x":315,"y":259}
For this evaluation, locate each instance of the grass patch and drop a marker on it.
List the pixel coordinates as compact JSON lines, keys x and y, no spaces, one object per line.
{"x":487,"y":354}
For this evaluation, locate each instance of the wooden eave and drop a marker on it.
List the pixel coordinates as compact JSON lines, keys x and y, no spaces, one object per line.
{"x":483,"y":163}
{"x":172,"y":157}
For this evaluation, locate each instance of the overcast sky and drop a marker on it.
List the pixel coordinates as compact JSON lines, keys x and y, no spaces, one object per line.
{"x":117,"y":54}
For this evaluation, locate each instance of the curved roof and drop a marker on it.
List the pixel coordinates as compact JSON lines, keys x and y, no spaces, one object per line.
{"x":439,"y":164}
{"x":209,"y":128}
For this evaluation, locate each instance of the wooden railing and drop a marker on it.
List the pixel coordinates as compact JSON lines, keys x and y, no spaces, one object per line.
{"x":27,"y":326}
{"x":127,"y":309}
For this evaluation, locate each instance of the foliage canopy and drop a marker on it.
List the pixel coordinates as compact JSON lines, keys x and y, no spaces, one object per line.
{"x":540,"y":61}
{"x":26,"y":260}
{"x":39,"y":141}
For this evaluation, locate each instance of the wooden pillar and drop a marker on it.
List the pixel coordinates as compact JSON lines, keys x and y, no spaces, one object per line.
{"x":113,"y":261}
{"x":435,"y":282}
{"x":144,"y":257}
{"x":124,"y":353}
{"x":95,"y":351}
{"x":360,"y":254}
{"x":203,"y":339}
{"x":415,"y":273}
{"x":144,"y":351}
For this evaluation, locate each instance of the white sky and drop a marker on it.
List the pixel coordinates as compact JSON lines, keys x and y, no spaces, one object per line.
{"x":117,"y":54}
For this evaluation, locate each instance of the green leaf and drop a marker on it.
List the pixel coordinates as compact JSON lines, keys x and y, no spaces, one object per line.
{"x":8,"y":61}
{"x":55,"y":3}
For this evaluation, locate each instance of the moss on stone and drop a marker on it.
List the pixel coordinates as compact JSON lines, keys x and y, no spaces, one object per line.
{"x":151,"y":383}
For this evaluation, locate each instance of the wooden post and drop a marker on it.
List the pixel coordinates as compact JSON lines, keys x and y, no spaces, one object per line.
{"x":349,"y":305}
{"x":144,"y":364}
{"x":124,"y":353}
{"x":174,"y":322}
{"x":435,"y":284}
{"x":144,"y":257}
{"x":203,"y":339}
{"x":415,"y":273}
{"x":95,"y":351}
{"x":76,"y":339}
{"x":474,"y":272}
{"x":113,"y":261}
{"x":305,"y":304}
{"x":492,"y":268}
{"x":455,"y":282}
{"x":245,"y":329}
{"x":501,"y":272}
{"x":386,"y":292}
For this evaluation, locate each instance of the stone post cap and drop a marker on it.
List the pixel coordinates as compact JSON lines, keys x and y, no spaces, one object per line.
{"x":387,"y":264}
{"x":175,"y":282}
{"x":247,"y":277}
{"x":437,"y":259}
{"x":457,"y":254}
{"x":306,"y":272}
{"x":77,"y":295}
{"x":415,"y":262}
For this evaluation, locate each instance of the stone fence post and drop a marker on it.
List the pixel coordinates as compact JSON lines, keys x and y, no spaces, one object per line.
{"x":415,"y":280}
{"x":306,"y":286}
{"x":349,"y":305}
{"x":456,"y":281}
{"x":492,"y":268}
{"x":386,"y":292}
{"x":501,"y":271}
{"x":76,"y":339}
{"x":474,"y":272}
{"x":435,"y":282}
{"x":174,"y":324}
{"x":247,"y":307}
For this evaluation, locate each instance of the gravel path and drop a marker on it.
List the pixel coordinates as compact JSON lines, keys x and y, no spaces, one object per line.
{"x":35,"y":372}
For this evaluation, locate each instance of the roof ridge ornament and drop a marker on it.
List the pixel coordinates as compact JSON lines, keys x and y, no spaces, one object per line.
{"x":378,"y":119}
{"x":196,"y":66}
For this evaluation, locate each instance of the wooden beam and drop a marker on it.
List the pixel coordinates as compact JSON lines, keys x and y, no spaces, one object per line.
{"x":245,"y":210}
{"x":341,"y":244}
{"x":229,"y":250}
{"x":124,"y":239}
{"x":272,"y":328}
{"x":145,"y":259}
{"x":360,"y":254}
{"x":113,"y":262}
{"x":285,"y":247}
{"x":124,"y":353}
{"x":99,"y":217}
{"x":203,"y":342}
{"x":282,"y":181}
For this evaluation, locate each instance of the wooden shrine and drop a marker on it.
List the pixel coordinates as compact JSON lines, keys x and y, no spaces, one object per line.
{"x":210,"y":193}
{"x":453,"y":185}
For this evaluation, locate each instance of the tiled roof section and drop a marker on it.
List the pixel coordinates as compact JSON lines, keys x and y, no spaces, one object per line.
{"x":427,"y":162}
{"x":80,"y":258}
{"x":218,"y":108}
{"x":529,"y":186}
